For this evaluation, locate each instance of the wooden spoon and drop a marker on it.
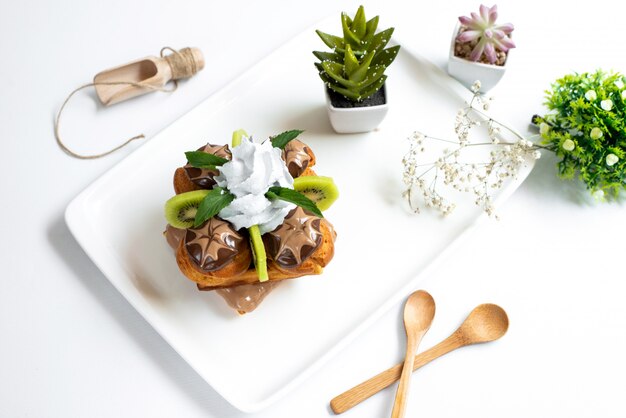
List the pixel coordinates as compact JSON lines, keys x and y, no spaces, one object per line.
{"x":485,"y":323}
{"x":419,"y":312}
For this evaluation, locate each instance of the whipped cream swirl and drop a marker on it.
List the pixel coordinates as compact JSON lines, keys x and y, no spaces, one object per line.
{"x":253,"y":169}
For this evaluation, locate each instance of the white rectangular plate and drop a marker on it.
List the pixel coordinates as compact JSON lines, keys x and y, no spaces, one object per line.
{"x":381,"y":250}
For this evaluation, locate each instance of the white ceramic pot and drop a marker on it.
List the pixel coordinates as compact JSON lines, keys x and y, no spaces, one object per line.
{"x":467,"y":72}
{"x":349,"y":120}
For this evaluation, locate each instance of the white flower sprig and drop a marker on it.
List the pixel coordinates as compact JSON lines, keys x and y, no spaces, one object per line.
{"x":481,"y":179}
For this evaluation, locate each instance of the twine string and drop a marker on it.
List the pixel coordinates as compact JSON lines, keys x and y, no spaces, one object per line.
{"x":182,"y":64}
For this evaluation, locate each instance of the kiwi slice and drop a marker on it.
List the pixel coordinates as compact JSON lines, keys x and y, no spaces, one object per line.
{"x":321,"y":190}
{"x":180,"y":211}
{"x":258,"y":253}
{"x":237,"y":136}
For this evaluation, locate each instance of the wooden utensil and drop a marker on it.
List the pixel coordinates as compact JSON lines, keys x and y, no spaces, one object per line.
{"x":145,"y":75}
{"x":485,"y":323}
{"x":419,"y":312}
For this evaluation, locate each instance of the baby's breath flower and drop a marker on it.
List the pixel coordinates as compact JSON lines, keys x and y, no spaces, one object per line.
{"x":606,"y":104}
{"x":596,"y":133}
{"x":543,"y":128}
{"x":503,"y":160}
{"x":619,"y":84}
{"x":568,"y":145}
{"x":611,"y":159}
{"x":591,"y":95}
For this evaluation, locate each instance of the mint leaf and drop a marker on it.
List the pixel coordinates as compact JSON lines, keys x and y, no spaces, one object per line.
{"x":216,"y":200}
{"x":291,"y":196}
{"x":280,"y":140}
{"x":201,"y":159}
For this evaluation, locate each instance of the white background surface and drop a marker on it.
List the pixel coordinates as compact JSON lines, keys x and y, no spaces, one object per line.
{"x":71,"y":346}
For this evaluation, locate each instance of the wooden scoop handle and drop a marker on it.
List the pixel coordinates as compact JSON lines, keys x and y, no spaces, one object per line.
{"x":359,"y":393}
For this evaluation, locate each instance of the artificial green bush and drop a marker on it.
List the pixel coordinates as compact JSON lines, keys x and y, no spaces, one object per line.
{"x":586,"y":128}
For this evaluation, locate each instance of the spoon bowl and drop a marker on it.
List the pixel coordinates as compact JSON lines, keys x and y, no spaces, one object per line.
{"x":419,"y":312}
{"x":487,"y":322}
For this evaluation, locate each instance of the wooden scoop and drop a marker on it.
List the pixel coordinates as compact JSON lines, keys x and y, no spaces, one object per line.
{"x":485,"y":323}
{"x":145,"y":75}
{"x":419,"y":312}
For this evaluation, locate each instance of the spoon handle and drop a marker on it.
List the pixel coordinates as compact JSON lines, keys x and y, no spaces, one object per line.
{"x":364,"y":390}
{"x":399,"y":404}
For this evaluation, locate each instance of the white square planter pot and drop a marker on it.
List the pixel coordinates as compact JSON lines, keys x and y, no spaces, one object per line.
{"x":467,"y":72}
{"x":349,"y":120}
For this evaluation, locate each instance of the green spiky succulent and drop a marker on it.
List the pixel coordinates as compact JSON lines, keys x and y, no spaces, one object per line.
{"x":356,"y":66}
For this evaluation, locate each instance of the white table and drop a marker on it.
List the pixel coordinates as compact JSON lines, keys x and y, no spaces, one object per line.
{"x":71,"y":346}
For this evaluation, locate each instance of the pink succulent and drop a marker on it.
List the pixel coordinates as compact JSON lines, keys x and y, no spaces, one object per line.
{"x":490,"y":36}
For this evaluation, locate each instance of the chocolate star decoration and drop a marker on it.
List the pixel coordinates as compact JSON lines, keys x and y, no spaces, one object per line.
{"x":291,"y":243}
{"x":213,"y":244}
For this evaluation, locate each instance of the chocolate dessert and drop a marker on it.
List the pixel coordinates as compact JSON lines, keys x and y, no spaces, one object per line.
{"x":240,"y":231}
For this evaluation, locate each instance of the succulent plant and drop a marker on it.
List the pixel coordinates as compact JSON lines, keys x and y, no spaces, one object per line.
{"x":356,"y":66}
{"x":490,"y":37}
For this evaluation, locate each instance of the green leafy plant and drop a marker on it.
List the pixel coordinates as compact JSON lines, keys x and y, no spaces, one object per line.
{"x":356,"y":66}
{"x":586,"y":128}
